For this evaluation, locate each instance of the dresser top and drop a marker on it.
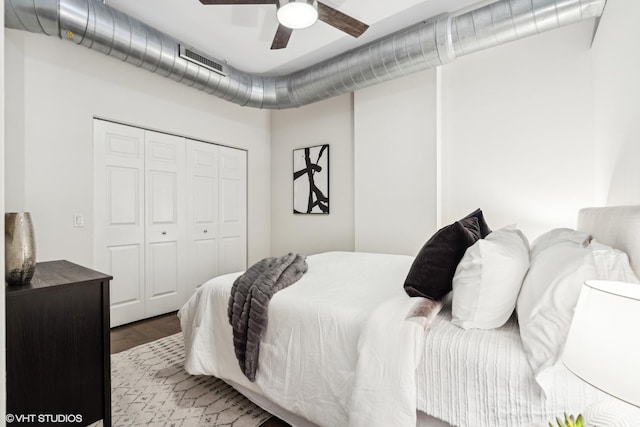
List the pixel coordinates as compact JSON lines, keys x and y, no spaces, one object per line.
{"x":56,"y":273}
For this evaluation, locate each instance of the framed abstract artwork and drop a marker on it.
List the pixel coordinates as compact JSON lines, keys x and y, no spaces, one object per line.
{"x":311,"y":180}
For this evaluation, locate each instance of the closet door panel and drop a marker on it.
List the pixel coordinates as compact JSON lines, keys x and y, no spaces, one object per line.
{"x":205,"y":260}
{"x":124,"y":263}
{"x":118,"y":215}
{"x":124,"y":197}
{"x":163,"y":262}
{"x":163,"y":199}
{"x":204,"y":203}
{"x":202,"y":212}
{"x":165,"y":213}
{"x":231,"y":255}
{"x":233,"y":210}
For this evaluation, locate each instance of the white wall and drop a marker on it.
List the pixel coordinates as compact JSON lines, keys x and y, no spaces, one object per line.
{"x":516,"y":139}
{"x":327,"y":122}
{"x":63,"y":87}
{"x":517,"y":126}
{"x":395,"y":164}
{"x":616,"y":67}
{"x":14,"y":133}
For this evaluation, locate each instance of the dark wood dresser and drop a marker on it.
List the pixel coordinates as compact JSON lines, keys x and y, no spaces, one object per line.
{"x":58,"y":347}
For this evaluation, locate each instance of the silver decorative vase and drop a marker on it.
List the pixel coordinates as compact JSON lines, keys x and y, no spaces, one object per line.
{"x":19,"y":247}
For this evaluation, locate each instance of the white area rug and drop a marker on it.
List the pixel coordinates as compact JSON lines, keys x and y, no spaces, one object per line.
{"x":149,"y":386}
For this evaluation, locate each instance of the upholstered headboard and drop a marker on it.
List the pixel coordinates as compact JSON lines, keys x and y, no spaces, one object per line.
{"x":617,"y":226}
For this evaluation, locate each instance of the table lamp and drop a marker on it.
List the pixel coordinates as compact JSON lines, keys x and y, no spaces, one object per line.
{"x":603,"y":349}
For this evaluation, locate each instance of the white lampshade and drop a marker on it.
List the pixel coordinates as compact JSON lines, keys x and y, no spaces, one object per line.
{"x":297,"y":14}
{"x":603,"y":346}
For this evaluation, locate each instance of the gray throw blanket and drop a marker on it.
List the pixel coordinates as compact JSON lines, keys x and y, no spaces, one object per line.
{"x":249,"y":301}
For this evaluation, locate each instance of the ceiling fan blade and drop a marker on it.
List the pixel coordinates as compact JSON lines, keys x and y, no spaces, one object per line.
{"x":339,"y":20}
{"x":281,"y":39}
{"x":238,"y":2}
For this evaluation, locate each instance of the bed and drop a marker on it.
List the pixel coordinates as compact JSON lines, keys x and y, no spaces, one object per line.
{"x":342,"y":348}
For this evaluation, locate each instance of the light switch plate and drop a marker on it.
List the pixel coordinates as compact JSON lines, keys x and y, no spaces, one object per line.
{"x":78,"y":220}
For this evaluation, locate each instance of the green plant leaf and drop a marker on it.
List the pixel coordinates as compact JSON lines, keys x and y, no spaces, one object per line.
{"x":569,"y":421}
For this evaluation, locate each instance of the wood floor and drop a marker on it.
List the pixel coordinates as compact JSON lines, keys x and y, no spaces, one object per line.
{"x":137,"y":333}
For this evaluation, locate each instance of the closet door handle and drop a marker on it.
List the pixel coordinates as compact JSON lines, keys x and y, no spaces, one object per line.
{"x":164,"y":233}
{"x":206,"y":231}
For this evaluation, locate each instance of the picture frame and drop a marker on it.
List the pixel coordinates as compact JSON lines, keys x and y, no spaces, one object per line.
{"x":311,"y":180}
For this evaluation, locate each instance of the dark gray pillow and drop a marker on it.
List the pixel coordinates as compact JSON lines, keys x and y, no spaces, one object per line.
{"x":484,"y":228}
{"x":432,"y":271}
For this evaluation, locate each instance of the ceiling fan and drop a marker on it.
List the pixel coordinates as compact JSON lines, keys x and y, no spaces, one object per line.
{"x":297,"y":14}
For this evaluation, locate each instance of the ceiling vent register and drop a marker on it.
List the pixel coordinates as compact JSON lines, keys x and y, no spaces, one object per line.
{"x":198,"y":58}
{"x":428,"y":44}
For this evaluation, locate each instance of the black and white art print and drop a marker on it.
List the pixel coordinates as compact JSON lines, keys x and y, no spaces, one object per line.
{"x":311,"y":180}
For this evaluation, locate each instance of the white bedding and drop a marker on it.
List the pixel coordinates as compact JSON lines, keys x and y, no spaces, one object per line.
{"x":326,"y":333}
{"x":473,"y":378}
{"x":309,"y":357}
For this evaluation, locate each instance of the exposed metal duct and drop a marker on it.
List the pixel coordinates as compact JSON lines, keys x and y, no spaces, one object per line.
{"x":428,"y":44}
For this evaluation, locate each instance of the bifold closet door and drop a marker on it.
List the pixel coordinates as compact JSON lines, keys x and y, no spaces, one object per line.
{"x":119,"y":246}
{"x":233,"y":210}
{"x":202,"y":212}
{"x":170,"y":214}
{"x":165,"y":225}
{"x":217,"y":211}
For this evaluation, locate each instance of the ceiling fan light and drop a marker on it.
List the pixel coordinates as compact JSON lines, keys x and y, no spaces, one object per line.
{"x":297,"y":14}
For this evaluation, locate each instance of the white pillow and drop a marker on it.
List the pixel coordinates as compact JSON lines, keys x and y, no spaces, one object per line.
{"x":550,"y":293}
{"x":488,"y":279}
{"x":558,"y":236}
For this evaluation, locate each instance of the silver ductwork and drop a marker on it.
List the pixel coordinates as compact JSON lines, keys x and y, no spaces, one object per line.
{"x":428,"y":44}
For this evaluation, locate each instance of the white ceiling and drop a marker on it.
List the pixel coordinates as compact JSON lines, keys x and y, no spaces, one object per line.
{"x":241,"y":35}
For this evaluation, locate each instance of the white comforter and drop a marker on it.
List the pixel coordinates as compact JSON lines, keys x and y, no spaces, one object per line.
{"x":337,"y":350}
